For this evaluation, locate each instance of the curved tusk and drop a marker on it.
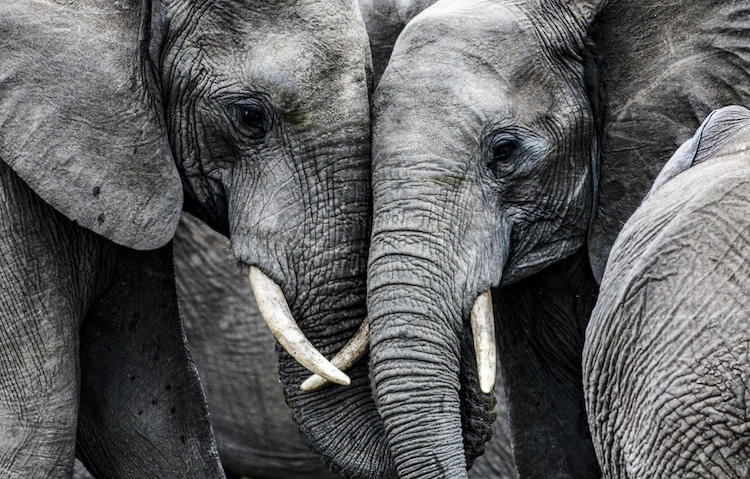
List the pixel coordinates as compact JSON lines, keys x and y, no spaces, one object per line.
{"x":349,"y":354}
{"x":483,"y":328}
{"x":275,"y":311}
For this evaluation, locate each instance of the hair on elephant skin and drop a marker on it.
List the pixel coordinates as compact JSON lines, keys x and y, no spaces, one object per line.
{"x":665,"y":362}
{"x":511,"y":140}
{"x":115,"y":115}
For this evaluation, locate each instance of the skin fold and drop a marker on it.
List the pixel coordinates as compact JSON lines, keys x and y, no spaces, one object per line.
{"x":665,"y":366}
{"x":215,"y":102}
{"x":511,"y":140}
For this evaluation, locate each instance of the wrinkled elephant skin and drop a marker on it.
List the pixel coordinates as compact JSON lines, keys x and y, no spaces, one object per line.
{"x":113,"y":117}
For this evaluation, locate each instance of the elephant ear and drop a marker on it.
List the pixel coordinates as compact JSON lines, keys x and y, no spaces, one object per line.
{"x":77,"y":123}
{"x":717,"y":136}
{"x":663,"y":71}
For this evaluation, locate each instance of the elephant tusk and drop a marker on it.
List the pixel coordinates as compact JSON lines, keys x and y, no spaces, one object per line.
{"x":275,"y":311}
{"x":349,"y":354}
{"x":483,"y":328}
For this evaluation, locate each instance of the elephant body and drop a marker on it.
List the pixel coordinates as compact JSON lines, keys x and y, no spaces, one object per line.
{"x":665,"y":363}
{"x":113,"y":117}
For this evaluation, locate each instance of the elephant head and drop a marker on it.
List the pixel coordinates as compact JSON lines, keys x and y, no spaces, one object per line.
{"x":665,"y":368}
{"x":255,"y":115}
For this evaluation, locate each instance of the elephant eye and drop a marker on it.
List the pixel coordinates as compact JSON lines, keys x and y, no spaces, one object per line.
{"x":253,"y":120}
{"x":501,"y":150}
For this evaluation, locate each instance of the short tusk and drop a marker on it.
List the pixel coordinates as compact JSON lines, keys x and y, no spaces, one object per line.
{"x":275,"y":311}
{"x":349,"y":354}
{"x":483,"y":328}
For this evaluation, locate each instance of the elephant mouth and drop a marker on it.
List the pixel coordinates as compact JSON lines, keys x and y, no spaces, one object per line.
{"x":277,"y":315}
{"x":483,"y":331}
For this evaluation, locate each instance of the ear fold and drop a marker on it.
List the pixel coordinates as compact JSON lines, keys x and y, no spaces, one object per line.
{"x":658,"y":85}
{"x":717,"y":136}
{"x":76,"y":120}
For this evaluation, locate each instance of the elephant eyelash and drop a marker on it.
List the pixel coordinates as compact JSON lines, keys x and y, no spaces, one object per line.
{"x":499,"y":151}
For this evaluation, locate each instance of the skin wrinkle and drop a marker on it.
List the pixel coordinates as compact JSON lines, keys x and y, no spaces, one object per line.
{"x":704,"y":451}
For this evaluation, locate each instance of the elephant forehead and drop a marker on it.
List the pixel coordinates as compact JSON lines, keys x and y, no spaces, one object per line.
{"x":493,"y":65}
{"x":288,"y":49}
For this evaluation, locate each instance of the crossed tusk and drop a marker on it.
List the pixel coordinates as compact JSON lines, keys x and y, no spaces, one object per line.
{"x":275,"y":311}
{"x":483,"y":328}
{"x":349,"y":354}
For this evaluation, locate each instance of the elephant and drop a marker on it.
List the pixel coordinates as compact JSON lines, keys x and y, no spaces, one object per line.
{"x":234,"y":355}
{"x":511,"y":140}
{"x":116,"y":116}
{"x":665,"y":359}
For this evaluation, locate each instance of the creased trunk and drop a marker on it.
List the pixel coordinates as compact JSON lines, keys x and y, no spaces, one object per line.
{"x":422,"y":285}
{"x":416,"y":367}
{"x":323,"y":281}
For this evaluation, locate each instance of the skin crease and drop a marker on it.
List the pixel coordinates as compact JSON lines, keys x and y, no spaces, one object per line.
{"x":425,"y":146}
{"x":665,"y":362}
{"x":244,"y":130}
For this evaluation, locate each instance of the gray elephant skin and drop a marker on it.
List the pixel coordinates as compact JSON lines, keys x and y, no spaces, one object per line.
{"x":665,"y":362}
{"x":511,"y":140}
{"x":234,"y":352}
{"x":115,"y":115}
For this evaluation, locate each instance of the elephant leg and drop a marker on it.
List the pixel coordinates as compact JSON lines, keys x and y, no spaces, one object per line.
{"x":40,"y":310}
{"x":143,"y":413}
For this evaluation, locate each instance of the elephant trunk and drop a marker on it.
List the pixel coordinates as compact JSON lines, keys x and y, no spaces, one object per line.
{"x":322,"y":276}
{"x":416,"y":371}
{"x":422,"y":287}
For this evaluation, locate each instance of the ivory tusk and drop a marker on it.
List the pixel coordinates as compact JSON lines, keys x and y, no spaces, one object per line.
{"x":275,"y":311}
{"x":349,"y":354}
{"x":483,"y":328}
